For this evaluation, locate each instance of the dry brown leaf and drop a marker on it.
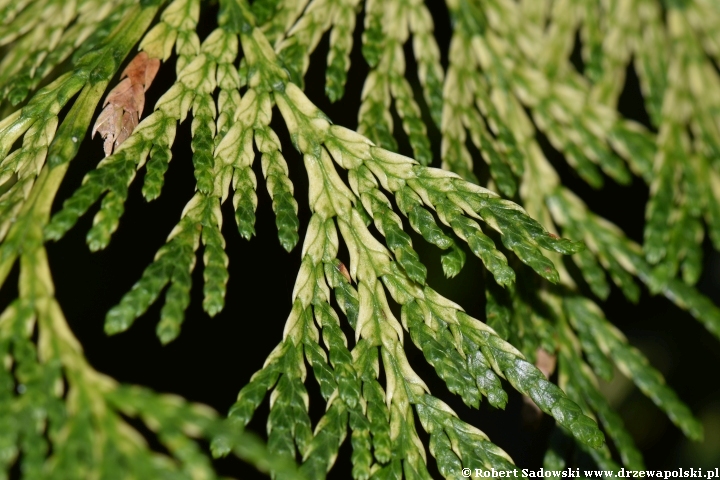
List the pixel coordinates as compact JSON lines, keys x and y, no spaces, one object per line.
{"x":142,"y":70}
{"x":344,"y":271}
{"x":125,"y":103}
{"x":545,"y":362}
{"x":129,"y":122}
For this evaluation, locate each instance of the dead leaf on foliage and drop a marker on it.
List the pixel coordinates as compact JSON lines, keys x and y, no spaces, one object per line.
{"x":124,"y":104}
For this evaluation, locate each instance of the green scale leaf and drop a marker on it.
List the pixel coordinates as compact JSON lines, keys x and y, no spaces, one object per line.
{"x":633,"y":364}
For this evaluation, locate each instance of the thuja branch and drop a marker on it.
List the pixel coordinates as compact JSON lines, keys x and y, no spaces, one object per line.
{"x":508,"y":78}
{"x":371,"y":167}
{"x":86,"y":430}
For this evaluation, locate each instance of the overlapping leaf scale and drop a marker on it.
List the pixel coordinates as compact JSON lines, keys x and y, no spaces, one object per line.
{"x":633,"y":364}
{"x":612,"y":422}
{"x":440,"y":352}
{"x":624,"y":259}
{"x":530,"y":381}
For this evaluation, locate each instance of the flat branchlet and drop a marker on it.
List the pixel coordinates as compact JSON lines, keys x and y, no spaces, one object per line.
{"x":508,"y":82}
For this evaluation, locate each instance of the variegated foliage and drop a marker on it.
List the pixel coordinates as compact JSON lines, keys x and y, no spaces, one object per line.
{"x":508,"y":78}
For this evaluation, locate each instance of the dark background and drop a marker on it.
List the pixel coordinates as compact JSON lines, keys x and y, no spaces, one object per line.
{"x":213,"y":358}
